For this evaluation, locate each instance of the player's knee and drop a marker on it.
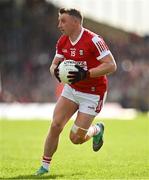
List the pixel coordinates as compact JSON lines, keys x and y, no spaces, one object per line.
{"x":75,"y":139}
{"x":56,"y":128}
{"x":77,"y":135}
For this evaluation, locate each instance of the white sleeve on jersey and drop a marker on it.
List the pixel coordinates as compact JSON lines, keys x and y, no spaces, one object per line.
{"x":101,"y":47}
{"x":58,"y":55}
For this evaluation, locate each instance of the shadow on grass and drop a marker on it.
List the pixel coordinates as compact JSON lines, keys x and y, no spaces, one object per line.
{"x":56,"y":176}
{"x":36,"y":177}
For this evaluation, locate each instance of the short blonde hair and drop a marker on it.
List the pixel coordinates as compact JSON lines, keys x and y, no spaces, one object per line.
{"x":72,"y":12}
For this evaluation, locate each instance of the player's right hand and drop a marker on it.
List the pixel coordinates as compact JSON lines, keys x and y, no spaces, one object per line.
{"x":76,"y":76}
{"x":56,"y":72}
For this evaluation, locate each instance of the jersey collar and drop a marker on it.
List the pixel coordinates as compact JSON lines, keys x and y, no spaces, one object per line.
{"x":78,"y":38}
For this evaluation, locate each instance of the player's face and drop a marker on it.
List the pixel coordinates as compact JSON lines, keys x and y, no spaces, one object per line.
{"x":66,"y":24}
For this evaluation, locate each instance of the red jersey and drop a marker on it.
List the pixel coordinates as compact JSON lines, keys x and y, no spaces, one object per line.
{"x":87,"y":51}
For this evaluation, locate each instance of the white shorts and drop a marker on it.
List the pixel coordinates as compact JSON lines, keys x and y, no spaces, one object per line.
{"x":88,"y":103}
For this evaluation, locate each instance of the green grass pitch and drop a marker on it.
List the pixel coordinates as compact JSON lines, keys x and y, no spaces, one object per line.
{"x":125,"y":154}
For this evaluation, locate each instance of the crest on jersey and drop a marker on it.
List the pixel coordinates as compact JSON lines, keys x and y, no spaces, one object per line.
{"x":81,"y":52}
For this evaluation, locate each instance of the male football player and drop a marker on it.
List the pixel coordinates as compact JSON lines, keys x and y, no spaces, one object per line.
{"x":87,"y":90}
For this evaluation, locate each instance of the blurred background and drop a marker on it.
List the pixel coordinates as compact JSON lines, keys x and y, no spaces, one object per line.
{"x":28,"y":35}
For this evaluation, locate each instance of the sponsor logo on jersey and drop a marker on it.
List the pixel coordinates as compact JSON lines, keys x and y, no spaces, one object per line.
{"x":82,"y":64}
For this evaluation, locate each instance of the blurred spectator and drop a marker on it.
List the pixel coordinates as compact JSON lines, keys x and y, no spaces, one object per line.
{"x":28,"y":35}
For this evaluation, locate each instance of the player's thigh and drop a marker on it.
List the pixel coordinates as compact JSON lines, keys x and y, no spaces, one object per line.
{"x":63,"y":111}
{"x":80,"y":127}
{"x":84,"y":120}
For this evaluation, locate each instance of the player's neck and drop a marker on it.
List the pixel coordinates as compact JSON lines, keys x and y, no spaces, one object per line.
{"x":75,"y":34}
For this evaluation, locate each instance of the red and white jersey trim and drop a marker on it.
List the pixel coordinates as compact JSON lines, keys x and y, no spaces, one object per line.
{"x":105,"y":53}
{"x":101,"y":47}
{"x":78,"y":38}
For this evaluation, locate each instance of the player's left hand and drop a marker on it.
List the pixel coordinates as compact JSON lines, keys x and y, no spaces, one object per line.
{"x":75,"y":76}
{"x":56,"y":72}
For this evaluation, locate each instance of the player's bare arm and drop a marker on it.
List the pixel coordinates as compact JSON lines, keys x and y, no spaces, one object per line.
{"x":54,"y":70}
{"x":107,"y":66}
{"x":54,"y":64}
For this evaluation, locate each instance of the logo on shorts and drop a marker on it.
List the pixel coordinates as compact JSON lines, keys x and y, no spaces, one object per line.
{"x":91,"y":107}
